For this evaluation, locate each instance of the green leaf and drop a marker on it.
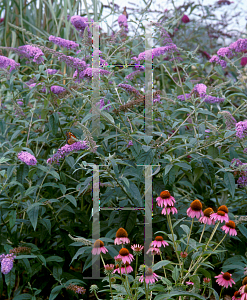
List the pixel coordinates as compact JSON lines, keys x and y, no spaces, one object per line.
{"x":107,"y":116}
{"x":160,"y":264}
{"x":57,"y":272}
{"x":243,"y":230}
{"x":135,"y":193}
{"x":54,"y":123}
{"x":55,"y":292}
{"x":22,"y":172}
{"x":10,"y":279}
{"x":23,"y":297}
{"x":71,"y":199}
{"x":175,"y":274}
{"x":33,"y":213}
{"x":54,"y":258}
{"x":230,"y":182}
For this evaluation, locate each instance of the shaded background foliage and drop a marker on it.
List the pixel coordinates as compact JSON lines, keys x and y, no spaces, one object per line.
{"x":41,"y":204}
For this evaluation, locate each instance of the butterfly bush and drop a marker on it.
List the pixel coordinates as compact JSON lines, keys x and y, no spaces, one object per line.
{"x":6,"y":62}
{"x":7,"y":262}
{"x":66,"y":150}
{"x":31,"y":53}
{"x":27,"y":158}
{"x":63,"y":43}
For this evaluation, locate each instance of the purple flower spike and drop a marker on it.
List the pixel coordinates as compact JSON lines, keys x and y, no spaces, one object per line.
{"x":63,"y":43}
{"x":80,"y":23}
{"x":7,"y":262}
{"x":241,"y":129}
{"x":56,"y":89}
{"x":6,"y":62}
{"x":31,"y":53}
{"x":67,"y":149}
{"x":27,"y":158}
{"x":218,"y":61}
{"x":185,"y":19}
{"x":181,"y":97}
{"x":201,"y":89}
{"x":225,"y":52}
{"x":51,"y":71}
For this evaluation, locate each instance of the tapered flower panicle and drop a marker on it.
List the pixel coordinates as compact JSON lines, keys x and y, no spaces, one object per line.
{"x":63,"y":43}
{"x":229,"y":227}
{"x":225,"y":279}
{"x":6,"y":62}
{"x":195,"y":209}
{"x":159,"y":241}
{"x":121,"y":237}
{"x":27,"y":158}
{"x":76,"y":288}
{"x":165,"y":199}
{"x":150,"y":276}
{"x":125,"y":256}
{"x":7,"y":262}
{"x":205,"y":219}
{"x":98,"y":247}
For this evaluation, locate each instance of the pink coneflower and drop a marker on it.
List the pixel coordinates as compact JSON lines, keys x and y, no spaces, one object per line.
{"x":109,"y":269}
{"x":229,"y":227}
{"x":224,"y":209}
{"x":98,"y":247}
{"x":183,"y":254}
{"x":195,"y":209}
{"x":225,"y":279}
{"x":189,"y":283}
{"x":150,"y":277}
{"x":165,"y":199}
{"x":129,"y":269}
{"x":158,"y":242}
{"x":137,"y":249}
{"x":206,"y":280}
{"x":169,"y":209}
{"x":154,"y":251}
{"x":220,"y":216}
{"x":206,"y":218}
{"x":121,"y":237}
{"x":236,"y":295}
{"x":125,"y":256}
{"x":243,"y":292}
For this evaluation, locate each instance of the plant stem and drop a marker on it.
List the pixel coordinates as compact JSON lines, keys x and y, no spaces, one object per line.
{"x":110,"y":286}
{"x":221,"y":292}
{"x":174,"y":242}
{"x":202,"y":233}
{"x":189,"y":234}
{"x":163,"y":266}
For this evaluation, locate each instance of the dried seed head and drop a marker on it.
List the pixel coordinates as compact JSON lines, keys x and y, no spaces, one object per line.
{"x":149,"y":272}
{"x":231,"y":224}
{"x":124,"y":252}
{"x":196,"y":205}
{"x":227,"y":276}
{"x":159,"y":238}
{"x":223,"y":208}
{"x":98,"y":244}
{"x":121,"y":233}
{"x":165,"y":194}
{"x":208,"y":211}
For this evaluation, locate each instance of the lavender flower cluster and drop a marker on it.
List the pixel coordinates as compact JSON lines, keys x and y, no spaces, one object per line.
{"x":27,"y":158}
{"x":7,"y":262}
{"x":6,"y":62}
{"x":122,"y":21}
{"x":51,"y":71}
{"x":89,"y":73}
{"x":241,"y":129}
{"x":67,"y":149}
{"x":80,"y":24}
{"x":130,"y":89}
{"x":101,"y":104}
{"x":31,"y":53}
{"x":201,"y":89}
{"x":63,"y":43}
{"x":242,"y":171}
{"x":56,"y":89}
{"x":239,"y":46}
{"x":156,"y":52}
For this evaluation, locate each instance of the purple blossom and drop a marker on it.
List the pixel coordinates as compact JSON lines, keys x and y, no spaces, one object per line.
{"x":122,"y":21}
{"x":101,"y":104}
{"x":245,"y":150}
{"x":43,"y":90}
{"x":67,"y":149}
{"x":242,"y":181}
{"x":185,"y":19}
{"x":237,"y":162}
{"x":181,"y":97}
{"x":19,"y":102}
{"x":218,"y":61}
{"x":63,"y":43}
{"x":212,"y":99}
{"x":7,"y":262}
{"x":6,"y":62}
{"x":156,"y":52}
{"x":226,"y":51}
{"x":90,"y":72}
{"x":56,"y":89}
{"x":241,"y":129}
{"x":239,"y":46}
{"x":80,"y":24}
{"x":129,"y":88}
{"x":73,"y":62}
{"x":243,"y":61}
{"x":27,"y":158}
{"x":130,"y":143}
{"x":200,"y":89}
{"x":132,"y":74}
{"x":31,"y":53}
{"x":51,"y":71}
{"x":157,"y":98}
